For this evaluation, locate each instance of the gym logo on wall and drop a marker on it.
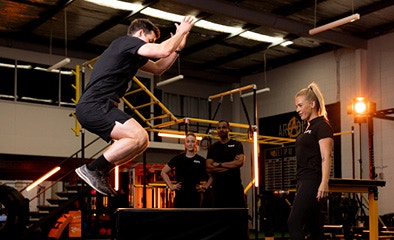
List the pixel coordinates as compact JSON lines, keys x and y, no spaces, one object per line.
{"x":294,"y":127}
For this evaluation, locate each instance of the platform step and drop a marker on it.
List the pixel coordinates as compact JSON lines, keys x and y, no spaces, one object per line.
{"x":57,"y":201}
{"x":66,"y":194}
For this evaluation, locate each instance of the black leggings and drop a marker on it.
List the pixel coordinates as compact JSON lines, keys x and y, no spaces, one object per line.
{"x":306,"y":211}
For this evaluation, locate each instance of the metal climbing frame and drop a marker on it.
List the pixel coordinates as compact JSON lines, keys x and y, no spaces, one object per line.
{"x":169,"y":119}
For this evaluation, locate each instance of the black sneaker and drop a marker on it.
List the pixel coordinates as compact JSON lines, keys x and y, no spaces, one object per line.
{"x":96,"y":180}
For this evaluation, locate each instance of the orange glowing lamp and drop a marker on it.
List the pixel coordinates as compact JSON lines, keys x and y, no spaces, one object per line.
{"x":361,"y":108}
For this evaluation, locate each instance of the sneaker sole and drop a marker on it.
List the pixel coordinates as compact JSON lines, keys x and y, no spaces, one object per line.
{"x":87,"y":180}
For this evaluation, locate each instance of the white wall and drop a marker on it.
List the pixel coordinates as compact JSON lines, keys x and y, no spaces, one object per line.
{"x":342,"y":75}
{"x":379,"y":87}
{"x":33,"y":129}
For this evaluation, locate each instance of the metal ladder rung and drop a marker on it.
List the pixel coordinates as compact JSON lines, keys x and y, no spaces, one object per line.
{"x":144,"y":105}
{"x":159,"y":117}
{"x":134,"y":91}
{"x":166,"y":124}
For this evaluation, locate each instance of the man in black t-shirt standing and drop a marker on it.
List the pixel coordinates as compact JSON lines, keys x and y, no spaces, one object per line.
{"x":97,"y":108}
{"x":224,"y":160}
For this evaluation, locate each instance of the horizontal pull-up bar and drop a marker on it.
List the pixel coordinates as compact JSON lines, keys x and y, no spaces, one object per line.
{"x":214,"y":122}
{"x":251,"y":86}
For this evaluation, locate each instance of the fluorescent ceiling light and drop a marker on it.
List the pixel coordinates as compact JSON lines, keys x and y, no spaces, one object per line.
{"x":260,"y":37}
{"x":7,"y":65}
{"x":69,"y":73}
{"x":7,"y":96}
{"x":170,"y":80}
{"x":287,"y":43}
{"x":117,"y":4}
{"x":217,"y":27}
{"x":59,"y":64}
{"x":257,"y":92}
{"x":178,"y":18}
{"x":37,"y":99}
{"x":162,"y":14}
{"x":334,"y":24}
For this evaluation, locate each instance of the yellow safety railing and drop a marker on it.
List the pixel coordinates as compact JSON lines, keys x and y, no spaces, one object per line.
{"x":77,"y":87}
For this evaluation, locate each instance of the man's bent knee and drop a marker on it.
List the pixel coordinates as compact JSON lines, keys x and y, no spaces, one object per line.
{"x":143,"y":139}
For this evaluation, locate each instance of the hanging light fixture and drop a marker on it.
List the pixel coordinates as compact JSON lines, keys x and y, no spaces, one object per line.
{"x":334,"y":24}
{"x":170,"y":80}
{"x":173,"y":79}
{"x":59,"y":64}
{"x":66,"y":60}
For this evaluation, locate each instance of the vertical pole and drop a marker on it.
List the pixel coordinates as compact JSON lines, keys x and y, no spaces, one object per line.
{"x":83,"y":212}
{"x":144,"y":180}
{"x":373,"y":213}
{"x":372,"y":174}
{"x":255,"y":164}
{"x":353,"y":155}
{"x":360,"y":160}
{"x":209,"y":113}
{"x":82,"y":130}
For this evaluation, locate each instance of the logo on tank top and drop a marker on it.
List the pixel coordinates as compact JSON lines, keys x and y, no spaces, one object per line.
{"x":231,"y":145}
{"x":308,"y":132}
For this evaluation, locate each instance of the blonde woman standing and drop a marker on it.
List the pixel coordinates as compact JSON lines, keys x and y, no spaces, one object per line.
{"x":189,"y":171}
{"x":314,"y":156}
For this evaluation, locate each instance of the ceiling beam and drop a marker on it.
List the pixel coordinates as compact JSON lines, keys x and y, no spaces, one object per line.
{"x":296,"y":6}
{"x":46,"y":16}
{"x":110,"y":23}
{"x":274,"y":21}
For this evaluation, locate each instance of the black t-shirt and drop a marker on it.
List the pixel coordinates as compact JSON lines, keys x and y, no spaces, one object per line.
{"x":189,"y":171}
{"x":114,"y":70}
{"x":219,"y":152}
{"x":308,"y":150}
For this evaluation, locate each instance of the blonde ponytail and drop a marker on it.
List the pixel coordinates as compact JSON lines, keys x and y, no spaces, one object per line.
{"x":313,"y":93}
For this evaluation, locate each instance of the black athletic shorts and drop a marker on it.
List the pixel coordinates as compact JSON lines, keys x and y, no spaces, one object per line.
{"x":100,"y":118}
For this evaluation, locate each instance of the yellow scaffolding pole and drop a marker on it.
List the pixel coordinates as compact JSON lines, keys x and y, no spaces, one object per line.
{"x":77,"y":87}
{"x":251,"y":86}
{"x":89,"y":63}
{"x":214,"y":122}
